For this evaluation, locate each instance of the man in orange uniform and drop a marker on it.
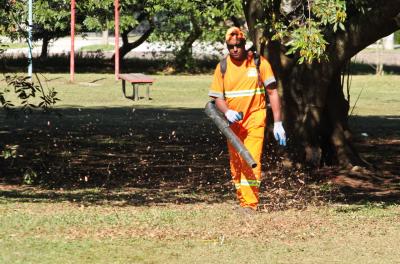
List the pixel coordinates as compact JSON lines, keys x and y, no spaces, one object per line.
{"x":238,"y":90}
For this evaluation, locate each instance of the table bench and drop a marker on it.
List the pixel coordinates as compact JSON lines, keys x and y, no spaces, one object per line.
{"x":136,"y":79}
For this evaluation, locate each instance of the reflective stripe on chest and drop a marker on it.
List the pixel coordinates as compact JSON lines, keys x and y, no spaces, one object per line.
{"x":251,"y":92}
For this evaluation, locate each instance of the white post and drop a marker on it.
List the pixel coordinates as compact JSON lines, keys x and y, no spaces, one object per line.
{"x":30,"y":4}
{"x":388,"y":42}
{"x":72,"y":52}
{"x":379,"y":50}
{"x":105,"y":37}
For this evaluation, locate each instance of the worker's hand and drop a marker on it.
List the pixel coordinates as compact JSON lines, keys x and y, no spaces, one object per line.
{"x":233,"y":116}
{"x":279,"y":133}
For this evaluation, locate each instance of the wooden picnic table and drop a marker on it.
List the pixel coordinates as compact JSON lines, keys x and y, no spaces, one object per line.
{"x":136,"y":79}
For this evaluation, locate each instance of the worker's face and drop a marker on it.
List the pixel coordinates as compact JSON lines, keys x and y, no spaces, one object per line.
{"x":236,"y":49}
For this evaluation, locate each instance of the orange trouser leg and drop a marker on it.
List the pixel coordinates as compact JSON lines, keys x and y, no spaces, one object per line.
{"x":236,"y":168}
{"x":247,"y":180}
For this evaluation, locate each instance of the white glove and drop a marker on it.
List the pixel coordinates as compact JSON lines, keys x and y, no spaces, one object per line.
{"x":233,"y":116}
{"x":279,"y":133}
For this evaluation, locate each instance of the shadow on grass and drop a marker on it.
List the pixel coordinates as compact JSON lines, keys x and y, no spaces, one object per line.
{"x":378,"y":140}
{"x":365,"y":68}
{"x":117,"y":197}
{"x":144,"y":156}
{"x":169,"y":153}
{"x":97,"y":63}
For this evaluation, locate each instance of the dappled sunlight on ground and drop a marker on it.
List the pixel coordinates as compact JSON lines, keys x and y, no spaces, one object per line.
{"x":155,"y":156}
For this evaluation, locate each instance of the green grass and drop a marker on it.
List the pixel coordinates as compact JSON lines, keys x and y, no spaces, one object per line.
{"x":375,"y":96}
{"x":101,"y":90}
{"x":69,"y":232}
{"x":369,"y":94}
{"x":113,"y":226}
{"x":98,"y":47}
{"x":15,"y":45}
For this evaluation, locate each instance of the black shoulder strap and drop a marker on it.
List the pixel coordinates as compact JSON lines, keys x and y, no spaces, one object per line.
{"x":257,"y":62}
{"x":222,"y":66}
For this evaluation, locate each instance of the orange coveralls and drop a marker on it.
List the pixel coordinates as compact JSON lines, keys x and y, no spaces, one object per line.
{"x":239,"y":88}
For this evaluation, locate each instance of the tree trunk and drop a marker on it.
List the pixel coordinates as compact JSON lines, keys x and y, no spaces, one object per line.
{"x":184,"y":55}
{"x":253,"y":11}
{"x":128,"y":46}
{"x":341,"y":144}
{"x":45,"y":47}
{"x":304,"y":100}
{"x":316,"y":112}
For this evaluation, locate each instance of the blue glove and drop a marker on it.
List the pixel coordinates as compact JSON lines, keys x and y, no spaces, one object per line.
{"x":279,"y":133}
{"x":233,"y":116}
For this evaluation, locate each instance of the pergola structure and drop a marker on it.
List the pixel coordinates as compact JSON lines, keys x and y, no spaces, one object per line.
{"x":116,"y":40}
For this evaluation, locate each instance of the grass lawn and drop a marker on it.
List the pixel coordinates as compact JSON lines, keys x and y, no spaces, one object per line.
{"x":15,"y":45}
{"x":49,"y":231}
{"x":98,"y":47}
{"x":146,"y":182}
{"x":101,"y":90}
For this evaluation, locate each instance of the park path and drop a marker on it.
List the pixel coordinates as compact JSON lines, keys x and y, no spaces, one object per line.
{"x":374,"y":56}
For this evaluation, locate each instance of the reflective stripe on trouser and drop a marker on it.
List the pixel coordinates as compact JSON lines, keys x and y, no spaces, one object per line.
{"x":247,"y":180}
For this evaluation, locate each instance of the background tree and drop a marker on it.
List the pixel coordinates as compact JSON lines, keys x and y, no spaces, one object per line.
{"x":6,"y":27}
{"x":181,"y":23}
{"x":134,"y":16}
{"x":310,"y":44}
{"x":177,"y":23}
{"x":397,"y":37}
{"x":22,"y":86}
{"x":51,"y":20}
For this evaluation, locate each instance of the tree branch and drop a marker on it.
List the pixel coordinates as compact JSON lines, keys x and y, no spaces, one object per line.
{"x":365,"y":29}
{"x":253,"y":10}
{"x":140,"y":40}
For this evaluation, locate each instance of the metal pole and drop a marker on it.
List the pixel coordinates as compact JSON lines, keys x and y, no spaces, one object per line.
{"x":30,"y":24}
{"x":116,"y":34}
{"x":72,"y":53}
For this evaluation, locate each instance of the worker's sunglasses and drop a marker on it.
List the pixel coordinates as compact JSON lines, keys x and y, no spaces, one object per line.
{"x":231,"y":46}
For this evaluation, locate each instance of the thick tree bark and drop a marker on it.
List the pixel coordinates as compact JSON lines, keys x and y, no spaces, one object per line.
{"x":304,"y":96}
{"x":316,"y":114}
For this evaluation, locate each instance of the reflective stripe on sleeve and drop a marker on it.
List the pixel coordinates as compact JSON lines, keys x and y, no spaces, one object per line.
{"x":216,"y":94}
{"x":232,"y":94}
{"x":269,"y":81}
